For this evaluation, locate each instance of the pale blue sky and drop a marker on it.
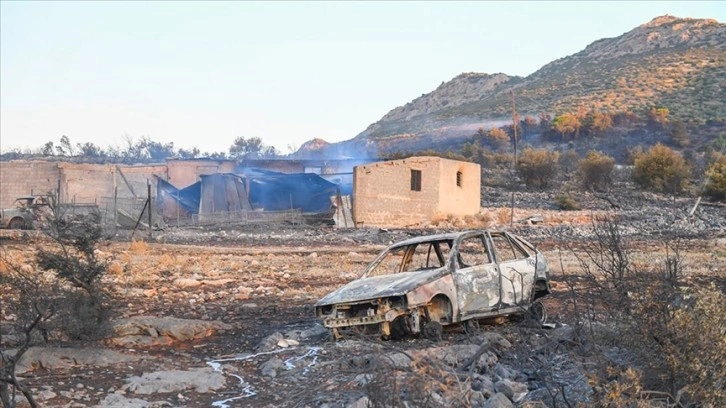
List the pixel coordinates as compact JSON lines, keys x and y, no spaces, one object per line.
{"x":200,"y":74}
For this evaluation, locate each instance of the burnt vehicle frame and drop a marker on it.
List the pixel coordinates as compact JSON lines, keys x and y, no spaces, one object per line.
{"x":421,"y":284}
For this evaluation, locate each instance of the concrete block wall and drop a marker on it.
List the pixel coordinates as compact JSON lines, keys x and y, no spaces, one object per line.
{"x":459,"y":200}
{"x":383,"y":195}
{"x":184,"y":173}
{"x":22,"y":178}
{"x":85,"y":183}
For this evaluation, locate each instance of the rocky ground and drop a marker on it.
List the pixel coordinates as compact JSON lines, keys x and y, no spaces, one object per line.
{"x":223,"y":316}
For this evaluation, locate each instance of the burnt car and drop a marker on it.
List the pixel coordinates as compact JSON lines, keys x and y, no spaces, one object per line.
{"x":422,"y":284}
{"x":25,"y":211}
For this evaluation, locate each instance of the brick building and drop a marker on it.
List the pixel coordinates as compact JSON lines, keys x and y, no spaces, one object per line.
{"x":417,"y":189}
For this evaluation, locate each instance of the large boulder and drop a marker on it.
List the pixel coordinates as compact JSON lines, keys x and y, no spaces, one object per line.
{"x":156,"y":331}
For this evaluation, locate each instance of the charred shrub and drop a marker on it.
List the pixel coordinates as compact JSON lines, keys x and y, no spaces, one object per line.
{"x":566,"y":202}
{"x":674,"y":332}
{"x":73,"y":258}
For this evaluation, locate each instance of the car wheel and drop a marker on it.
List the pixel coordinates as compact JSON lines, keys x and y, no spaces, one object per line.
{"x":17,"y":223}
{"x":471,"y":325}
{"x":433,"y":330}
{"x":538,"y":312}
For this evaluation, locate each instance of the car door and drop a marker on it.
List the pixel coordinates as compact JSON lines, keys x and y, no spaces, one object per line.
{"x":476,"y":276}
{"x":516,"y":267}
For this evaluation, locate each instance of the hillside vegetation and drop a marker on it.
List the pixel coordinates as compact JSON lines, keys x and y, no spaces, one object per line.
{"x":671,"y":62}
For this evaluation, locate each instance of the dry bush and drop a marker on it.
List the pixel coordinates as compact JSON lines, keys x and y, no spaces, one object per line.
{"x":504,"y":216}
{"x":538,"y":167}
{"x":661,"y":169}
{"x":139,"y":247}
{"x":716,"y":178}
{"x":696,"y":350}
{"x":595,"y":171}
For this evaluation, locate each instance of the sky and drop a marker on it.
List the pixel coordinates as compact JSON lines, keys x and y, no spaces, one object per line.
{"x":200,"y":74}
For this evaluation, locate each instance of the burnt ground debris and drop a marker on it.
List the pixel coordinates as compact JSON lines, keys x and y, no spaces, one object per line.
{"x":263,"y":281}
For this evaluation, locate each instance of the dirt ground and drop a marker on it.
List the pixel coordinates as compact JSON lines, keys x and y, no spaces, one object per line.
{"x":263,"y":282}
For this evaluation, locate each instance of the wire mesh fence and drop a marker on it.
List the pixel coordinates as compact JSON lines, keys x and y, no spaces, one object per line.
{"x":248,"y":217}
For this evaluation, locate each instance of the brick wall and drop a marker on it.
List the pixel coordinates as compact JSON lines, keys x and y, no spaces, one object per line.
{"x":22,"y":178}
{"x":383,"y":195}
{"x":183,"y":173}
{"x":461,"y":199}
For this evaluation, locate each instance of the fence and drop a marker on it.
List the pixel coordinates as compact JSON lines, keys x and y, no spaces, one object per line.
{"x":248,"y":217}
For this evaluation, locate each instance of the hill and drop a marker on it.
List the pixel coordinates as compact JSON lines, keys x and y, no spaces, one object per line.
{"x":677,"y":63}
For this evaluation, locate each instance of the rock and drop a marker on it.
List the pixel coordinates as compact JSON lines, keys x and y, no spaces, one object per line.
{"x":564,"y":334}
{"x":249,"y":306}
{"x":270,"y":367}
{"x":316,"y":332}
{"x":363,"y":379}
{"x":477,"y":399}
{"x":532,"y":404}
{"x":283,"y":343}
{"x":187,"y":283}
{"x":64,"y":358}
{"x":217,"y":282}
{"x":119,"y":401}
{"x":494,"y":339}
{"x":362,"y":402}
{"x":167,"y":329}
{"x":397,"y":360}
{"x":201,"y":380}
{"x":486,"y":360}
{"x":498,"y":400}
{"x":269,"y":343}
{"x":503,"y":372}
{"x":45,"y":395}
{"x":483,"y":384}
{"x":451,"y":355}
{"x":511,"y":388}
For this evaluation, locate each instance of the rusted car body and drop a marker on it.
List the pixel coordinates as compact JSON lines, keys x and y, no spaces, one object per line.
{"x":24,"y":213}
{"x":421,"y":284}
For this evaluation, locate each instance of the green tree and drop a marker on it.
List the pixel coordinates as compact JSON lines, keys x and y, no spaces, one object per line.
{"x":567,"y":123}
{"x":595,"y":171}
{"x":189,"y":154}
{"x":597,"y":123}
{"x":48,"y":149}
{"x":90,"y":150}
{"x":661,"y":169}
{"x":246,"y":148}
{"x":65,"y":148}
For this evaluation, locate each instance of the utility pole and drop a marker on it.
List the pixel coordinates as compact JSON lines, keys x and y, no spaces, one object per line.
{"x":514,"y":127}
{"x":514,"y":166}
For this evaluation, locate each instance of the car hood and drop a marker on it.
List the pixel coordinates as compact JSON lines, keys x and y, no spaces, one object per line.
{"x":375,"y":287}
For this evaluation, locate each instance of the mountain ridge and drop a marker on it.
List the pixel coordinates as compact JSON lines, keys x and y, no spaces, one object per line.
{"x":678,"y":63}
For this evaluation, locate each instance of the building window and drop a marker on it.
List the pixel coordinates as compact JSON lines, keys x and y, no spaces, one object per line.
{"x":459,"y":176}
{"x":415,"y":180}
